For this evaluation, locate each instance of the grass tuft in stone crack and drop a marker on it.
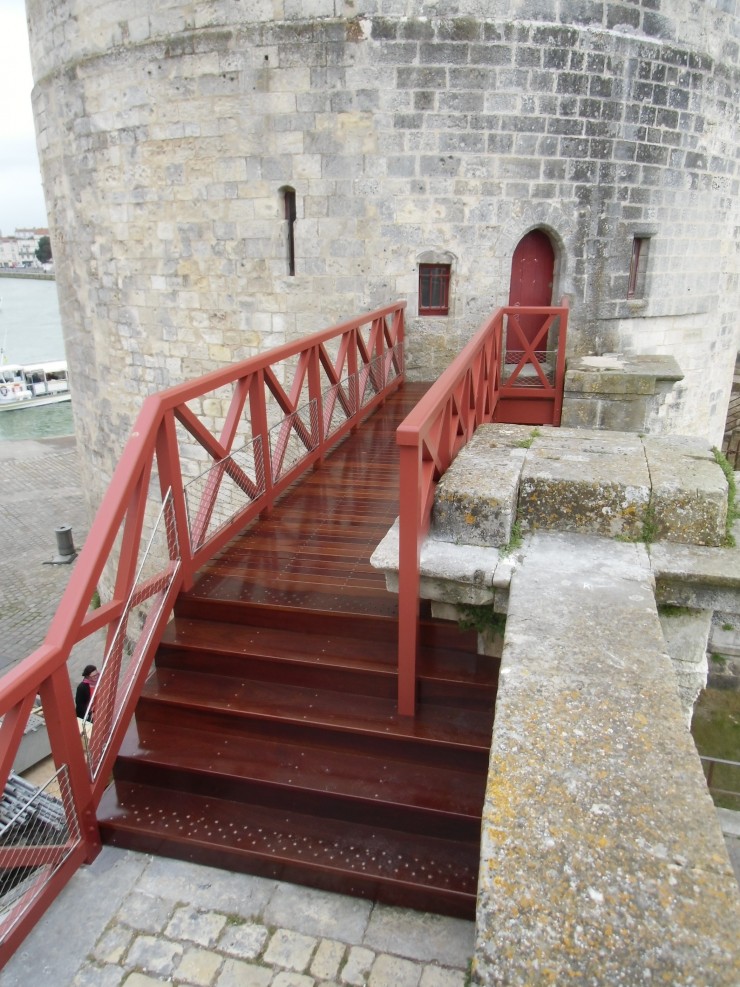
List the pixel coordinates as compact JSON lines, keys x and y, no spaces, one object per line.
{"x":732,"y":510}
{"x":670,"y":610}
{"x":515,"y":540}
{"x":526,"y":443}
{"x":649,"y":525}
{"x":480,"y":618}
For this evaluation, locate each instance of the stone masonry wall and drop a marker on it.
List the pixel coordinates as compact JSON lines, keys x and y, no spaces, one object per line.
{"x":168,"y":132}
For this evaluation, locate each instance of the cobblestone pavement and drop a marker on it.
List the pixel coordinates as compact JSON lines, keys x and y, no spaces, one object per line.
{"x":131,"y":920}
{"x":39,"y":491}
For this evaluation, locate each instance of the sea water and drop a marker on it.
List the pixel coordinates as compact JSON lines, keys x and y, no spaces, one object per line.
{"x":31,"y":332}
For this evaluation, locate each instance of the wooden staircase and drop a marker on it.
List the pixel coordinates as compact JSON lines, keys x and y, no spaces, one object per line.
{"x":267,"y":738}
{"x":267,"y":741}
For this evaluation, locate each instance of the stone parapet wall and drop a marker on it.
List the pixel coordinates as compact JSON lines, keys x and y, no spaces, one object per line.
{"x":602,"y":859}
{"x":168,"y":135}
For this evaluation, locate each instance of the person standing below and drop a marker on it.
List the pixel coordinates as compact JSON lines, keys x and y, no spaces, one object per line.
{"x":85,"y":690}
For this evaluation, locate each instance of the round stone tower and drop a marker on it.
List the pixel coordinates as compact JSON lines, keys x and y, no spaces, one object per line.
{"x":222,"y":177}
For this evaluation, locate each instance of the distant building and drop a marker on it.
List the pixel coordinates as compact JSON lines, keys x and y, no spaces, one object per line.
{"x":20,"y":250}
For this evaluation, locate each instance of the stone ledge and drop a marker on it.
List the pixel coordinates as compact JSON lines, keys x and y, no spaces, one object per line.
{"x":602,"y":857}
{"x":476,"y":500}
{"x":697,"y":576}
{"x":450,"y":573}
{"x":689,"y":490}
{"x":693,"y":576}
{"x":620,"y":374}
{"x":585,"y":481}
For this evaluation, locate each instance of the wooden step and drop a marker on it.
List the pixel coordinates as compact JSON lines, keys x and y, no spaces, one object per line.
{"x":364,"y":666}
{"x":267,"y":739}
{"x":338,"y":783}
{"x":437,"y":735}
{"x":409,"y":870}
{"x":202,"y":604}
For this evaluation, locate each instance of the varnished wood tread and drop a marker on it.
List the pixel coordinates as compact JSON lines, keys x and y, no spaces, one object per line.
{"x":314,"y":549}
{"x":358,"y":777}
{"x":356,"y":858}
{"x":443,"y":726}
{"x":360,"y":654}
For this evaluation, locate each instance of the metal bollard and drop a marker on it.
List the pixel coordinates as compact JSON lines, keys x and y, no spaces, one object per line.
{"x":66,"y":551}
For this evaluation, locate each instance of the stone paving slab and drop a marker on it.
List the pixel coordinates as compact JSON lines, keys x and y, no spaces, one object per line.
{"x":132,"y":920}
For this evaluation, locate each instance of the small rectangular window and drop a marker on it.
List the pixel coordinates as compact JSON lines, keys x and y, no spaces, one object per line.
{"x":434,"y":289}
{"x":290,"y":216}
{"x":638,"y":267}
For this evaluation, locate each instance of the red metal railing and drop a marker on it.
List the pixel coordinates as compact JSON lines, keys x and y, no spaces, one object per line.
{"x":204,"y":459}
{"x":500,"y":361}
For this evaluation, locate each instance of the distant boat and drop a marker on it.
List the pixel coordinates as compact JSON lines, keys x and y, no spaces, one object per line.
{"x":32,"y":385}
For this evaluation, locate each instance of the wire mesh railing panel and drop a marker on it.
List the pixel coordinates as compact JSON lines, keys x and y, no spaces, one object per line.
{"x":128,"y":643}
{"x":393,"y":361}
{"x":222,"y":491}
{"x":339,"y":404}
{"x":293,"y":439}
{"x":527,"y":375}
{"x":371,"y":377}
{"x":38,"y":831}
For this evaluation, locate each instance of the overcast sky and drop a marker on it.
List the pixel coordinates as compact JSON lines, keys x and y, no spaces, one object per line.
{"x":21,"y":198}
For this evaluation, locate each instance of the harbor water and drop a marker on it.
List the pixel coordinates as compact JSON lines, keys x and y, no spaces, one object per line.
{"x":31,"y":332}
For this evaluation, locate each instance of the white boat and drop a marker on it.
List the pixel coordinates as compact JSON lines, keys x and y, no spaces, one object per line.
{"x":32,"y":385}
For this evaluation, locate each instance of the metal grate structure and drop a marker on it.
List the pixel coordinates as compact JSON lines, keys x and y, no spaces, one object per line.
{"x":38,"y":831}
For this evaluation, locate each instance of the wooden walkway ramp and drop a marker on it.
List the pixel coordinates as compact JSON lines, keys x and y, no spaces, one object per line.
{"x":267,"y":738}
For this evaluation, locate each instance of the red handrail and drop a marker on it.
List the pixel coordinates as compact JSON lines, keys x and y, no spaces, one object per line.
{"x":270,"y":433}
{"x":464,"y":397}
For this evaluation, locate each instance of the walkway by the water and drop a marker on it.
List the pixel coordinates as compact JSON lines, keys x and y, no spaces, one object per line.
{"x":39,"y":491}
{"x":135,"y":920}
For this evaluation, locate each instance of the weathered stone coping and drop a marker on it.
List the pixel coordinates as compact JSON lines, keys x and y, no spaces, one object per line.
{"x":697,"y":577}
{"x":619,"y":373}
{"x":616,"y":484}
{"x":693,"y":576}
{"x":602,"y":860}
{"x":624,"y":393}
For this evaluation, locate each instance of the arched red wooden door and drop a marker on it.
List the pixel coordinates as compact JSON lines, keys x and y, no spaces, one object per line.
{"x":532,"y":272}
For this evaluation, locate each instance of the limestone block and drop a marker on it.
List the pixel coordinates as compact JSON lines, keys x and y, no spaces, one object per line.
{"x":580,"y":412}
{"x":445,"y":611}
{"x":689,"y":498}
{"x":587,"y":481}
{"x":617,"y":392}
{"x":475,"y":501}
{"x":686,"y":634}
{"x":617,"y":373}
{"x":450,"y":573}
{"x":696,"y":576}
{"x":626,"y":415}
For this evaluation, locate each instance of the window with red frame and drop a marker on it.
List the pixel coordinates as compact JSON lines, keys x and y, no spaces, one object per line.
{"x":434,"y":289}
